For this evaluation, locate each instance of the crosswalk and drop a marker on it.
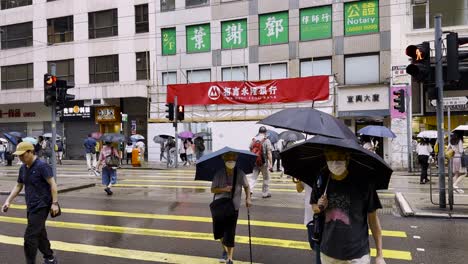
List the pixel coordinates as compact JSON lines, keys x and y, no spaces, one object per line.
{"x":180,"y":234}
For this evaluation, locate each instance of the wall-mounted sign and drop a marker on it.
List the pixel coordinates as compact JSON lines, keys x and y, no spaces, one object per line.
{"x":234,"y":34}
{"x":399,"y":75}
{"x":361,"y":17}
{"x":359,"y":99}
{"x":108,"y":114}
{"x":198,"y":38}
{"x":274,"y":28}
{"x":134,"y":127}
{"x":76,"y":111}
{"x":168,"y":41}
{"x":316,"y":23}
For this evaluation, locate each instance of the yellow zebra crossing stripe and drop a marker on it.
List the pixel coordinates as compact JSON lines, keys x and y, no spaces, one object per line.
{"x":261,"y":241}
{"x":119,"y":252}
{"x":199,"y":219}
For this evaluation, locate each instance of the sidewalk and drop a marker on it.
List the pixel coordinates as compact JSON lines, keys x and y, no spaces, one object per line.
{"x":414,"y":199}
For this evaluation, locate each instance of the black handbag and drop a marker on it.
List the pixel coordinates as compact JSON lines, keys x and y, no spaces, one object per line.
{"x":112,"y":160}
{"x":223,"y":208}
{"x":316,"y":225}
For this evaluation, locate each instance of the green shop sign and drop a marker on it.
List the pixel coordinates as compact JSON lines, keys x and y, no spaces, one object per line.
{"x":198,"y":38}
{"x":316,"y":23}
{"x":274,"y":28}
{"x":168,"y":41}
{"x":234,"y":34}
{"x":362,"y":17}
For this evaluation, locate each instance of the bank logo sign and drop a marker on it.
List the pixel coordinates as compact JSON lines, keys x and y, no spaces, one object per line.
{"x":362,"y":17}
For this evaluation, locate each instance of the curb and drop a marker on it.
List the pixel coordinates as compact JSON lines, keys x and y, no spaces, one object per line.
{"x":404,"y":205}
{"x":70,"y":189}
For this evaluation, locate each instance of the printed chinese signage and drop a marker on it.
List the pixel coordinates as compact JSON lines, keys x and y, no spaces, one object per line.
{"x":76,"y":111}
{"x":274,"y":28}
{"x":316,"y":23}
{"x":168,"y":41}
{"x":315,"y":88}
{"x":234,"y":34}
{"x":108,"y":114}
{"x":198,"y":38}
{"x":361,"y":17}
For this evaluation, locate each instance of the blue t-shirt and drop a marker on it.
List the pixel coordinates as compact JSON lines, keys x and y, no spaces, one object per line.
{"x":37,"y":189}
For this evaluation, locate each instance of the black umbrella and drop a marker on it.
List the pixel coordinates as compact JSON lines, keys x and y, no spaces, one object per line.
{"x":113,"y":137}
{"x":201,"y":134}
{"x":209,"y":164}
{"x":306,"y":160}
{"x":291,"y":136}
{"x":165,"y":136}
{"x":309,"y":121}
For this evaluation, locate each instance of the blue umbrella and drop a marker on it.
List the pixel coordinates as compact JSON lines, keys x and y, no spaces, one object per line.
{"x":12,"y":139}
{"x":273,"y":136}
{"x":209,"y":164}
{"x":30,"y":140}
{"x":16,"y":134}
{"x":113,"y":137}
{"x":377,"y":131}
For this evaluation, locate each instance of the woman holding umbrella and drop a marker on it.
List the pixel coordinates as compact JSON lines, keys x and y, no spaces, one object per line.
{"x":109,"y":159}
{"x":228,"y":183}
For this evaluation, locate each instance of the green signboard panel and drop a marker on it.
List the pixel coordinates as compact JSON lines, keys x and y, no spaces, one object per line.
{"x":274,"y":28}
{"x":234,"y":34}
{"x":168,"y":41}
{"x":316,"y":23}
{"x":198,"y":38}
{"x":361,"y":17}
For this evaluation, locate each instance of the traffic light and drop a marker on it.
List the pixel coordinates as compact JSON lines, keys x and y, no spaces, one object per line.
{"x":454,"y":56}
{"x":399,"y":100}
{"x":420,"y":67}
{"x":50,"y":89}
{"x":170,"y":111}
{"x":180,"y":112}
{"x":62,"y":96}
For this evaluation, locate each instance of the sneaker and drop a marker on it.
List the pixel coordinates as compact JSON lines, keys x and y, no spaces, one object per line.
{"x":223,"y":258}
{"x":108,"y":191}
{"x":266,"y":196}
{"x":229,"y":261}
{"x":51,"y":261}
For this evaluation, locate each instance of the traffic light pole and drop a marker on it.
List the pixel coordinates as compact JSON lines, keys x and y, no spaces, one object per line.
{"x":176,"y":163}
{"x":53,"y":123}
{"x":409,"y":131}
{"x":440,"y":115}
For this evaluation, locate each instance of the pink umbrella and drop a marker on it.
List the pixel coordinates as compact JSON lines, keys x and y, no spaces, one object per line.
{"x":96,"y":135}
{"x":185,"y":135}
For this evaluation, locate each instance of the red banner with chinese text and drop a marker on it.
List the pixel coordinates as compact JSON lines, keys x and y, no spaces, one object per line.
{"x":315,"y":88}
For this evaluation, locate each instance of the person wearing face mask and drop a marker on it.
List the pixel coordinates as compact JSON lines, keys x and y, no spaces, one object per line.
{"x":350,"y":209}
{"x":228,"y":183}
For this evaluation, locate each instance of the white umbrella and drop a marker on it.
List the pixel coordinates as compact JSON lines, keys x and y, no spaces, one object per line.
{"x":428,"y":134}
{"x":49,"y":135}
{"x":461,"y":128}
{"x":3,"y":140}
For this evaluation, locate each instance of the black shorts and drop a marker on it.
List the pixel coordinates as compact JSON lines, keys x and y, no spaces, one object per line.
{"x":226,"y":230}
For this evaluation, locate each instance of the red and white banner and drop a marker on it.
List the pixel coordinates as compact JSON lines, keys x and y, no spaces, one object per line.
{"x":315,"y":88}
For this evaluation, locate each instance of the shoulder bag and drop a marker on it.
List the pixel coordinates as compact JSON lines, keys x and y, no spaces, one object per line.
{"x":223,"y":208}
{"x":315,"y":226}
{"x":112,"y":160}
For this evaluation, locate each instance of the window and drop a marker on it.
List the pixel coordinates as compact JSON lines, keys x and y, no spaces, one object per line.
{"x":197,"y":76}
{"x":103,"y":24}
{"x":6,"y":4}
{"x":273,"y":71}
{"x":425,"y":10}
{"x":104,"y":69}
{"x":318,"y":66}
{"x":17,"y":35}
{"x":141,"y":18}
{"x":17,"y":76}
{"x":60,"y":29}
{"x":191,"y":3}
{"x":362,"y":69}
{"x":234,"y":74}
{"x":65,"y":69}
{"x":169,"y":78}
{"x":142,"y":67}
{"x":167,"y":5}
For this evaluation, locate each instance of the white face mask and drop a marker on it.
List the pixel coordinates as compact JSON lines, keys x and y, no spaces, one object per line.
{"x":230,"y":164}
{"x":337,"y":167}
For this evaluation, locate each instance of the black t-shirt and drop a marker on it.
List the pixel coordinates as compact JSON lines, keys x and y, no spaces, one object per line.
{"x":37,"y":189}
{"x":345,"y":233}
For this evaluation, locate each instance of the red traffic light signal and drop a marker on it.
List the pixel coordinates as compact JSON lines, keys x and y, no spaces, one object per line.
{"x":420,"y":67}
{"x":50,"y":89}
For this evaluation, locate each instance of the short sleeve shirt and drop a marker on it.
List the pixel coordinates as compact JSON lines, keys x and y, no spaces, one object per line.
{"x":37,"y":189}
{"x":345,"y":235}
{"x":221,"y":180}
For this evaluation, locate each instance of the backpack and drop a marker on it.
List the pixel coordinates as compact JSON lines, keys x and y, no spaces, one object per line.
{"x":112,"y":160}
{"x":257,"y":149}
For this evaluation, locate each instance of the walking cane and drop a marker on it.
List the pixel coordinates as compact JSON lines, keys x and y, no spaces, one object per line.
{"x":250,"y":236}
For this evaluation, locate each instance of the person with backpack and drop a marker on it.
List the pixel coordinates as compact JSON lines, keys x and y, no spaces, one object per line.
{"x":109,"y":159}
{"x":262,"y":147}
{"x":199,"y":147}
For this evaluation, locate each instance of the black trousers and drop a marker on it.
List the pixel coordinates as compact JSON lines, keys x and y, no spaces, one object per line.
{"x":35,"y":236}
{"x":276,"y":159}
{"x":424,"y":161}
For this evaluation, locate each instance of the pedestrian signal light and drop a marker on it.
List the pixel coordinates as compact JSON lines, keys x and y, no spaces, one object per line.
{"x":399,"y":100}
{"x":62,"y":93}
{"x":50,"y":89}
{"x":180,"y":112}
{"x":170,"y":111}
{"x":420,"y":67}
